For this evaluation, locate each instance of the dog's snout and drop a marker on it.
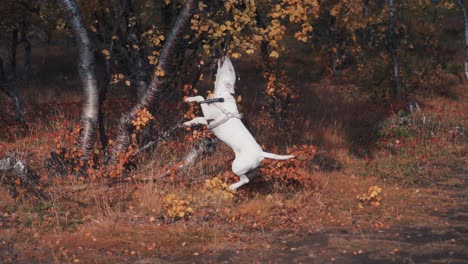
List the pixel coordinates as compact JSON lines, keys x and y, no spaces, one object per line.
{"x":221,"y":61}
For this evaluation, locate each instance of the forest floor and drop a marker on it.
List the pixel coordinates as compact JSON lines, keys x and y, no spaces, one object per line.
{"x":264,"y":222}
{"x":376,"y":189}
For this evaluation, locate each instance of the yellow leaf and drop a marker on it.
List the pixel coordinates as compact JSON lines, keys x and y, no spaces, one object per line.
{"x":160,"y":73}
{"x":227,"y":5}
{"x":274,"y":54}
{"x":127,"y":82}
{"x":236,"y":55}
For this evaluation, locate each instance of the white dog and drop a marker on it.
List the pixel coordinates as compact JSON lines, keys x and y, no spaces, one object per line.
{"x":223,"y":118}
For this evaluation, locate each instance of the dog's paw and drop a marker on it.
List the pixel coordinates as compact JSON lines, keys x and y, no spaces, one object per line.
{"x":243,"y":180}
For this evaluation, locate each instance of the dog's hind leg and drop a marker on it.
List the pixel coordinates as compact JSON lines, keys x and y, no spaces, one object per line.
{"x":242,"y":180}
{"x":240,"y":167}
{"x":253,"y":174}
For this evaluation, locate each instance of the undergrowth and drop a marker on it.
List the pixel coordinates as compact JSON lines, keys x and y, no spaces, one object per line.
{"x":411,"y":145}
{"x":139,"y":210}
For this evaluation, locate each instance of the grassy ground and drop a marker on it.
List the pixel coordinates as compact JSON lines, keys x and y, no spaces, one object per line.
{"x":332,"y":212}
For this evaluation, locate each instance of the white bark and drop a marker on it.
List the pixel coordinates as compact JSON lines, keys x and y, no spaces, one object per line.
{"x":398,"y":89}
{"x":175,"y":34}
{"x":86,"y":68}
{"x":465,"y":22}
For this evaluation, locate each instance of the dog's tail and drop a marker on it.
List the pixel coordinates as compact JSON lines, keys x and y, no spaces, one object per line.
{"x":276,"y":157}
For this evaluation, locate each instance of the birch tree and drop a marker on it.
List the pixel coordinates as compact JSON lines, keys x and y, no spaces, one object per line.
{"x":461,"y":5}
{"x":398,"y":89}
{"x":86,"y":69}
{"x":125,"y":126}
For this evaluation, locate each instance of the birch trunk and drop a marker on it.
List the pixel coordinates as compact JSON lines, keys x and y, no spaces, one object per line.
{"x":86,"y":69}
{"x":398,"y":89}
{"x":125,"y":127}
{"x":461,"y":4}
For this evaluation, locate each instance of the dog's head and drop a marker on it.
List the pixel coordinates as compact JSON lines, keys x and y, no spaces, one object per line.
{"x":225,"y":77}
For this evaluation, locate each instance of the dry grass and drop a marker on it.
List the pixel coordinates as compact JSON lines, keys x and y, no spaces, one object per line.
{"x":92,"y":221}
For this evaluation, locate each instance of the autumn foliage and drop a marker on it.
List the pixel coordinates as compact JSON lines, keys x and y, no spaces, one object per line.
{"x":294,"y":173}
{"x":314,"y":79}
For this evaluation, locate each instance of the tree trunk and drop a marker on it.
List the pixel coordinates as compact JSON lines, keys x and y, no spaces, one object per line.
{"x":108,"y":42}
{"x":365,"y":10}
{"x":125,"y":126}
{"x":86,"y":69}
{"x":264,"y":45}
{"x":105,"y":86}
{"x":14,"y":44}
{"x":366,"y":39}
{"x":13,"y":92}
{"x":398,"y":89}
{"x":136,"y":48}
{"x":465,"y":20}
{"x":2,"y":74}
{"x":27,"y":58}
{"x":166,"y":10}
{"x":12,"y":88}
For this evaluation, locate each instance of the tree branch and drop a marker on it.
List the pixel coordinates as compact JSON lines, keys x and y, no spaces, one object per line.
{"x":125,"y":128}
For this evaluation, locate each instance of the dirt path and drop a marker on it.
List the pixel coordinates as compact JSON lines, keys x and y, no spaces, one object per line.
{"x":441,"y":239}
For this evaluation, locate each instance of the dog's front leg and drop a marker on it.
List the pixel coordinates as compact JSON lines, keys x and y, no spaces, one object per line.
{"x":196,"y":121}
{"x":196,"y":99}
